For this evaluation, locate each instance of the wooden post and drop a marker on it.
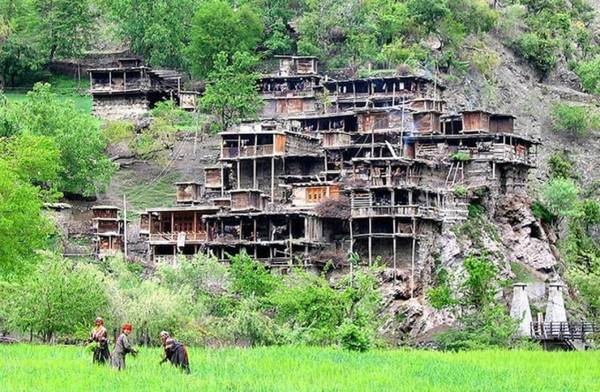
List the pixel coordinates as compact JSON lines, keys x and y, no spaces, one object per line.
{"x":370,"y":240}
{"x":222,"y":181}
{"x":172,"y":222}
{"x":351,"y":237}
{"x":412,"y":262}
{"x":290,"y":239}
{"x":125,"y":226}
{"x":272,"y":179}
{"x":238,"y":163}
{"x":254,"y":180}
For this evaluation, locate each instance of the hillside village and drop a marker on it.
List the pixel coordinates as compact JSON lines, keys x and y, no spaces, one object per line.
{"x":374,"y":170}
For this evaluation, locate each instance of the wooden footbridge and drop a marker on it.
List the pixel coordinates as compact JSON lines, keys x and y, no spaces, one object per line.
{"x":569,"y":335}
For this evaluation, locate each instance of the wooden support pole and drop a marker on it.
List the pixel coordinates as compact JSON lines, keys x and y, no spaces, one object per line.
{"x":370,"y":240}
{"x":238,"y":163}
{"x":412,"y":262}
{"x":254,"y":179}
{"x":290,"y":240}
{"x":272,"y":179}
{"x":351,"y":237}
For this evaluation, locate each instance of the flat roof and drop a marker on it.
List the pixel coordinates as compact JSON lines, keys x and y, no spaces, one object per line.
{"x":105,"y":207}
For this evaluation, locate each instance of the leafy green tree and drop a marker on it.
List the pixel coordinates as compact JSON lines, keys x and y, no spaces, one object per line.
{"x":35,"y":159}
{"x":23,"y":228}
{"x":220,"y":30}
{"x":560,"y":196}
{"x":574,"y":120}
{"x":158,"y":30}
{"x":589,"y":74}
{"x":250,"y":277}
{"x":84,"y":169}
{"x":479,"y":286}
{"x":59,"y":298}
{"x":19,"y":60}
{"x":231,"y":93}
{"x":63,"y":27}
{"x":539,"y":50}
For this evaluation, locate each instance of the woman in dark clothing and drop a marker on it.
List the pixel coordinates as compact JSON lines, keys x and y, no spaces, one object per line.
{"x":122,"y":348}
{"x":100,"y":337}
{"x":175,"y":352}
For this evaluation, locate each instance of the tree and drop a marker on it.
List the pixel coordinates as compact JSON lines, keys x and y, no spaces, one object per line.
{"x":589,"y":73}
{"x":216,"y":28}
{"x":36,"y":160}
{"x":560,"y":196}
{"x":574,"y":120}
{"x":231,"y":93}
{"x":59,"y":298}
{"x":158,"y":30}
{"x":84,"y":169}
{"x":63,"y":27}
{"x":23,"y":228}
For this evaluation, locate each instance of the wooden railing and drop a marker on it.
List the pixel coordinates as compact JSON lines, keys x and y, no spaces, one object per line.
{"x":563,"y":330}
{"x":248,"y":151}
{"x":189,"y":236}
{"x":403,"y":210}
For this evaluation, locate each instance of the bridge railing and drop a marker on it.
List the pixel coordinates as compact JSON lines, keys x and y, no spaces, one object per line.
{"x":563,"y":330}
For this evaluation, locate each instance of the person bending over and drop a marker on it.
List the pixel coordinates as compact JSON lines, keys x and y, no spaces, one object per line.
{"x":174,"y":352}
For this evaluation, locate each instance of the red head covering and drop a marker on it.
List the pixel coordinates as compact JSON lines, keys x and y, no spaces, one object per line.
{"x":127,"y":326}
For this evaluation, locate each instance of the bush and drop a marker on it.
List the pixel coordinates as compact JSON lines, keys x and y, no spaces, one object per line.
{"x":58,"y":299}
{"x":542,"y":213}
{"x":489,"y":327}
{"x":353,"y":337}
{"x":589,"y":74}
{"x":561,"y":165}
{"x":574,"y":120}
{"x":538,"y":50}
{"x":460,"y":156}
{"x":460,"y":191}
{"x":250,"y":277}
{"x":560,"y":196}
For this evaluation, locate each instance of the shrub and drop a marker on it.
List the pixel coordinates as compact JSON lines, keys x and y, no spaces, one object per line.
{"x":353,"y":337}
{"x":561,"y":165}
{"x":560,"y":196}
{"x":542,"y":213}
{"x":58,"y":299}
{"x":538,"y":50}
{"x":250,"y":277}
{"x":589,"y":74}
{"x":460,"y":156}
{"x":574,"y":120}
{"x":460,"y":191}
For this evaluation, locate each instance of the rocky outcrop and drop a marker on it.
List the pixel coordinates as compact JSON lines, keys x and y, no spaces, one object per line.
{"x":523,"y":236}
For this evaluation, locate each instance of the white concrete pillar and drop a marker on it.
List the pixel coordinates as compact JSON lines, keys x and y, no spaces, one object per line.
{"x":520,"y":310}
{"x":555,"y":310}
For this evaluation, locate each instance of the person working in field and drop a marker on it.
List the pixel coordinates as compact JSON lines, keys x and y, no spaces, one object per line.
{"x":174,"y":352}
{"x":99,"y":336}
{"x":122,"y":348}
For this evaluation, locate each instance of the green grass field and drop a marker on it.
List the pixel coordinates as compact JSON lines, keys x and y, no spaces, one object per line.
{"x":59,"y":368}
{"x":65,"y":87}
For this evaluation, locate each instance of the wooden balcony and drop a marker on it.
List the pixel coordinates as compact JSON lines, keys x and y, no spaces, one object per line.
{"x":248,"y":151}
{"x":175,"y":236}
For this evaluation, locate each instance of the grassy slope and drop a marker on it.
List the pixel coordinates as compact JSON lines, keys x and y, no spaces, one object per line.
{"x":47,"y":368}
{"x":64,"y":86}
